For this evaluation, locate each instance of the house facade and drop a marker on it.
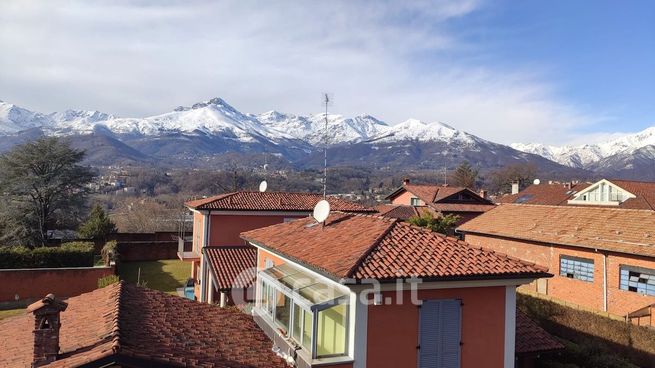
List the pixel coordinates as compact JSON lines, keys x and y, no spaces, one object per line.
{"x":412,"y":199}
{"x":219,"y":256}
{"x":603,"y":258}
{"x":369,"y":291}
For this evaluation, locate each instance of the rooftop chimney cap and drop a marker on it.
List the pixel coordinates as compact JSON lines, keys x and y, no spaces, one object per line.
{"x":48,"y":300}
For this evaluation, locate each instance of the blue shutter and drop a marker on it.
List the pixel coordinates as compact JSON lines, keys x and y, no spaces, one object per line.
{"x":440,"y":334}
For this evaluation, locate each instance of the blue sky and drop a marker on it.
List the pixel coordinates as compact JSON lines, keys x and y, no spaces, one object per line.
{"x":554,"y":72}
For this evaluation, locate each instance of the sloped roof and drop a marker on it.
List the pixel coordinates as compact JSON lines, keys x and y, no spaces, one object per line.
{"x":530,"y":338}
{"x":272,"y":201}
{"x":364,"y":246}
{"x":612,"y":229}
{"x":233,"y":266}
{"x":434,"y":196}
{"x":545,"y":194}
{"x":559,"y":194}
{"x":124,"y":321}
{"x":401,"y":212}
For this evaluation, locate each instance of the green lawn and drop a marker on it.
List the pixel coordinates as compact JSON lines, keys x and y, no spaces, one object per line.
{"x":11,"y":312}
{"x":164,"y":275}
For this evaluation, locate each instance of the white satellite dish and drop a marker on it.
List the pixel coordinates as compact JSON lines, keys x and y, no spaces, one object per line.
{"x":262,"y":186}
{"x":536,"y":182}
{"x":321,"y":210}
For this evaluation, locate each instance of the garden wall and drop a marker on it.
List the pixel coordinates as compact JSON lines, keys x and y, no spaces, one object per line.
{"x":147,"y":250}
{"x":35,"y":283}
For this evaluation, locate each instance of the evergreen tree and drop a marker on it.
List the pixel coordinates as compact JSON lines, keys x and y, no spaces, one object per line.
{"x":42,"y":185}
{"x":98,"y":225}
{"x":465,"y":175}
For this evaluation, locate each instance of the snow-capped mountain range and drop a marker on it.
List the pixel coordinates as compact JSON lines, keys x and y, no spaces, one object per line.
{"x":217,"y":117}
{"x":587,"y":155}
{"x":211,"y":132}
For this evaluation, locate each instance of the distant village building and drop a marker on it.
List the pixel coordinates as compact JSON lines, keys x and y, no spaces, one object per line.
{"x":603,"y":257}
{"x":612,"y":193}
{"x":413,"y":200}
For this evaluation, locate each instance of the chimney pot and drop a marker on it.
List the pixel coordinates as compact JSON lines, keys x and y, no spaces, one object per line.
{"x":405,"y":181}
{"x":47,"y":323}
{"x":483,"y":193}
{"x":515,"y":187}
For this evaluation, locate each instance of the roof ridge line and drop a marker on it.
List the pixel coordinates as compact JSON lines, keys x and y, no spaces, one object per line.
{"x":370,"y":249}
{"x":115,"y":323}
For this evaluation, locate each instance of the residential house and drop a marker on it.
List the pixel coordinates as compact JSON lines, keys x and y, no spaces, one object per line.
{"x":612,"y":193}
{"x":603,"y":258}
{"x":369,"y":291}
{"x":125,"y":325}
{"x":413,"y":199}
{"x":221,"y":263}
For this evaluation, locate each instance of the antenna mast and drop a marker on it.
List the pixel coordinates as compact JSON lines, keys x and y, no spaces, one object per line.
{"x":326,"y":100}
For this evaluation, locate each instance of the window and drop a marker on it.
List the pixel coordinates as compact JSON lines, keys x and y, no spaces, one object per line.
{"x":415,"y":201}
{"x":268,"y":263}
{"x":331,"y":336}
{"x":576,"y":268}
{"x":638,"y":280}
{"x":314,"y":314}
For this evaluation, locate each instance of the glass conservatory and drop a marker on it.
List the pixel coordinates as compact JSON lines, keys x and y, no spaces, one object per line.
{"x":306,"y":309}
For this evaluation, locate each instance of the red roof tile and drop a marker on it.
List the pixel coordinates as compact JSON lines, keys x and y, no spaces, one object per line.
{"x":126,"y":321}
{"x":272,"y":201}
{"x":530,"y":338}
{"x":232,"y":267}
{"x":546,"y":194}
{"x":439,"y":198}
{"x":361,"y":246}
{"x":612,"y":229}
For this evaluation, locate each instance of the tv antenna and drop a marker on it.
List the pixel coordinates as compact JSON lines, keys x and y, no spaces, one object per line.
{"x":326,"y":101}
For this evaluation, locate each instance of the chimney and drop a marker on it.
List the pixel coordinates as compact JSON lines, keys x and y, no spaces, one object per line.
{"x":515,"y":187}
{"x":405,"y":181}
{"x":46,"y":329}
{"x":567,"y":185}
{"x":483,"y":193}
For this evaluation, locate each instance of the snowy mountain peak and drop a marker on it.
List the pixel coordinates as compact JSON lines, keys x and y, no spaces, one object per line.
{"x":584,"y":155}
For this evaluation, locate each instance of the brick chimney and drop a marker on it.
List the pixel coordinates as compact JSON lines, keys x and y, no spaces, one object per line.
{"x":405,"y":181}
{"x":46,"y":329}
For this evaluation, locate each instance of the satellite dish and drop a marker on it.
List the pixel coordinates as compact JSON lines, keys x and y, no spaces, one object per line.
{"x":536,"y":182}
{"x":321,"y":211}
{"x":265,"y":166}
{"x":262,"y":186}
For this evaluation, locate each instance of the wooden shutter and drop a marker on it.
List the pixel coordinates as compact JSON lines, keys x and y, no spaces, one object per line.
{"x":440,"y":334}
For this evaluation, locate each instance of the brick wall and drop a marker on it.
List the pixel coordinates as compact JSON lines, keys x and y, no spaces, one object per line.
{"x":583,"y":293}
{"x":32,"y":284}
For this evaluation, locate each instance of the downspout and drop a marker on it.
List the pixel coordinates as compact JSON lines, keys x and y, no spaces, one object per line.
{"x":604,"y":282}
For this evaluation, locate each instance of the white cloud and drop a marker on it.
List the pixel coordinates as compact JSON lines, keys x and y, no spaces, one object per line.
{"x":388,"y":59}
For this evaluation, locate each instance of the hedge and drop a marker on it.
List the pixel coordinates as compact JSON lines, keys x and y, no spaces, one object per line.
{"x":74,"y":254}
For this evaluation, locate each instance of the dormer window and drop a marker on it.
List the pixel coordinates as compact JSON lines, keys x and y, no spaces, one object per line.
{"x":602,"y":193}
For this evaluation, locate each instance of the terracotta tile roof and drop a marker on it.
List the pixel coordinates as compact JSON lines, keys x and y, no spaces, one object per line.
{"x":546,"y":194}
{"x":364,"y":246}
{"x":401,"y":212}
{"x":272,"y":201}
{"x":461,"y":207}
{"x":612,"y":229}
{"x":156,"y":329}
{"x":427,"y":193}
{"x":232,"y":267}
{"x":530,"y":338}
{"x":559,"y":194}
{"x":645,"y":192}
